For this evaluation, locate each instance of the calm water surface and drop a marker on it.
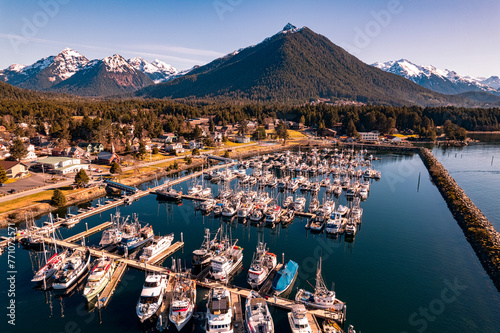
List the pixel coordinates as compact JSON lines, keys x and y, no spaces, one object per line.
{"x":409,"y":268}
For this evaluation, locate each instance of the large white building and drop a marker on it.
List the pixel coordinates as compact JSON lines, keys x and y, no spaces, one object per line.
{"x":62,"y":165}
{"x":370,"y":136}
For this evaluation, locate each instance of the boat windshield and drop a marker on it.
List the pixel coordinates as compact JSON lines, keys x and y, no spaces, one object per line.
{"x":151,"y":284}
{"x":149,"y":299}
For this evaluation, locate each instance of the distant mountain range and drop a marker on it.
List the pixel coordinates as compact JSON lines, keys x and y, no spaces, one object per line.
{"x":294,"y":65}
{"x":71,"y":72}
{"x":440,"y":80}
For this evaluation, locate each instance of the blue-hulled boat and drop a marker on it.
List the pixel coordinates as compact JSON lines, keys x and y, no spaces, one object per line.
{"x":285,"y":277}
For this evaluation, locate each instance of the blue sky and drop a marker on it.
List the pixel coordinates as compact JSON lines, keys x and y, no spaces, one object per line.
{"x":460,"y":35}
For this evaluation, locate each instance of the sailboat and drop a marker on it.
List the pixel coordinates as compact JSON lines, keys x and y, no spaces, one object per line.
{"x":322,"y":297}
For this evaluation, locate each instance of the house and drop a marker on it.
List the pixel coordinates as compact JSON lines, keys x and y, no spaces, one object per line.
{"x":369,"y":136}
{"x":393,"y":139}
{"x":173,"y":146}
{"x":92,"y":147}
{"x":15,"y":169}
{"x":76,"y":152}
{"x":38,"y":140}
{"x":31,"y":155}
{"x":241,"y":139}
{"x":329,"y":132}
{"x":107,"y":157}
{"x":168,"y":137}
{"x":193,"y":144}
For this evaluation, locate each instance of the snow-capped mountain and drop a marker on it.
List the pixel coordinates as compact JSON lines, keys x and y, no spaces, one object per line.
{"x":46,"y":72}
{"x":158,"y":71}
{"x":53,"y":73}
{"x":108,"y":76}
{"x":439,"y":80}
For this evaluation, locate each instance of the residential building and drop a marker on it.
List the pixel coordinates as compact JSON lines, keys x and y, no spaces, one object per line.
{"x":194,"y":144}
{"x":92,"y":147}
{"x":242,"y":139}
{"x":173,"y":146}
{"x":15,"y":169}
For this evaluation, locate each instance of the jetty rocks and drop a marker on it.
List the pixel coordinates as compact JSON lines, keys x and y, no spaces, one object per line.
{"x":478,"y":230}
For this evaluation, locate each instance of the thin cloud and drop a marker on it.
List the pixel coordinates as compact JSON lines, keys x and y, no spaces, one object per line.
{"x":178,"y":50}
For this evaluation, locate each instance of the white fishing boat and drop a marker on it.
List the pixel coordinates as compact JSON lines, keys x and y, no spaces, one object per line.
{"x":245,"y":210}
{"x":99,"y":277}
{"x":219,"y":311}
{"x":287,"y":217}
{"x":209,"y":248}
{"x":273,"y":215}
{"x":313,"y":205}
{"x":298,"y":319}
{"x":335,"y":224}
{"x":256,"y":215}
{"x":207,"y":205}
{"x":158,"y":245}
{"x":113,"y":235}
{"x":343,"y":210}
{"x":152,"y":294}
{"x":299,"y":204}
{"x":195,"y":190}
{"x":317,"y":223}
{"x":337,"y":190}
{"x":72,"y":268}
{"x":351,"y":228}
{"x":230,"y":209}
{"x":183,"y":301}
{"x":223,"y":264}
{"x":263,"y":262}
{"x":322,"y":298}
{"x":258,"y":319}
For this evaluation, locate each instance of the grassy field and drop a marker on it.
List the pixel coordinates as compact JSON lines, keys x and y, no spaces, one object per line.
{"x":32,"y":199}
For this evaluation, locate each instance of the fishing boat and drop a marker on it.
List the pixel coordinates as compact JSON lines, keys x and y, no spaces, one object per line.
{"x":342,"y":210}
{"x":313,"y":205}
{"x":299,"y":204}
{"x":152,"y":294}
{"x":158,"y":245}
{"x":287,"y":217}
{"x":298,"y":319}
{"x":317,"y":223}
{"x":194,"y":190}
{"x":245,"y":210}
{"x":330,"y":326}
{"x":99,"y":277}
{"x":183,"y":301}
{"x":72,"y":268}
{"x":322,"y":298}
{"x":350,"y":228}
{"x":70,"y":221}
{"x":219,"y":311}
{"x":169,"y":194}
{"x":288,"y":202}
{"x":257,"y":315}
{"x":209,"y":248}
{"x":263,"y":262}
{"x":256,"y":215}
{"x":285,"y":277}
{"x":223,"y":264}
{"x":207,"y":205}
{"x":134,"y":236}
{"x":334,"y":224}
{"x":273,"y":215}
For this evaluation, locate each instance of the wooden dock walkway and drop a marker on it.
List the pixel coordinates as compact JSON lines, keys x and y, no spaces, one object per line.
{"x":238,"y":321}
{"x":108,"y":291}
{"x":89,"y":232}
{"x":313,"y":323}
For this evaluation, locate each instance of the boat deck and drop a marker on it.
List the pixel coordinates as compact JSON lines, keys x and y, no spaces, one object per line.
{"x":266,"y":286}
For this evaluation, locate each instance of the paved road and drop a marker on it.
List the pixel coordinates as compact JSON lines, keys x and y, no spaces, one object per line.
{"x":38,"y":180}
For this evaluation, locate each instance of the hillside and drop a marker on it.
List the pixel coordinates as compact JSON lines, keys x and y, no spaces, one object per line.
{"x":296,"y":65}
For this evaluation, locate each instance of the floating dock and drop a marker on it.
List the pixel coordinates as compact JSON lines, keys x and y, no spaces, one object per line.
{"x":238,"y":322}
{"x":266,"y":286}
{"x":108,"y":291}
{"x":89,"y":232}
{"x":313,"y":323}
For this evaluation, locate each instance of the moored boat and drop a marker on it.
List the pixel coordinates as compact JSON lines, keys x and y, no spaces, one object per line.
{"x":99,"y":277}
{"x":183,"y":301}
{"x":152,"y":295}
{"x":257,"y":315}
{"x":285,"y":277}
{"x":72,"y":268}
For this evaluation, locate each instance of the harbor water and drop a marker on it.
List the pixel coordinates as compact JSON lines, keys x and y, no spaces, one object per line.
{"x":409,"y":268}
